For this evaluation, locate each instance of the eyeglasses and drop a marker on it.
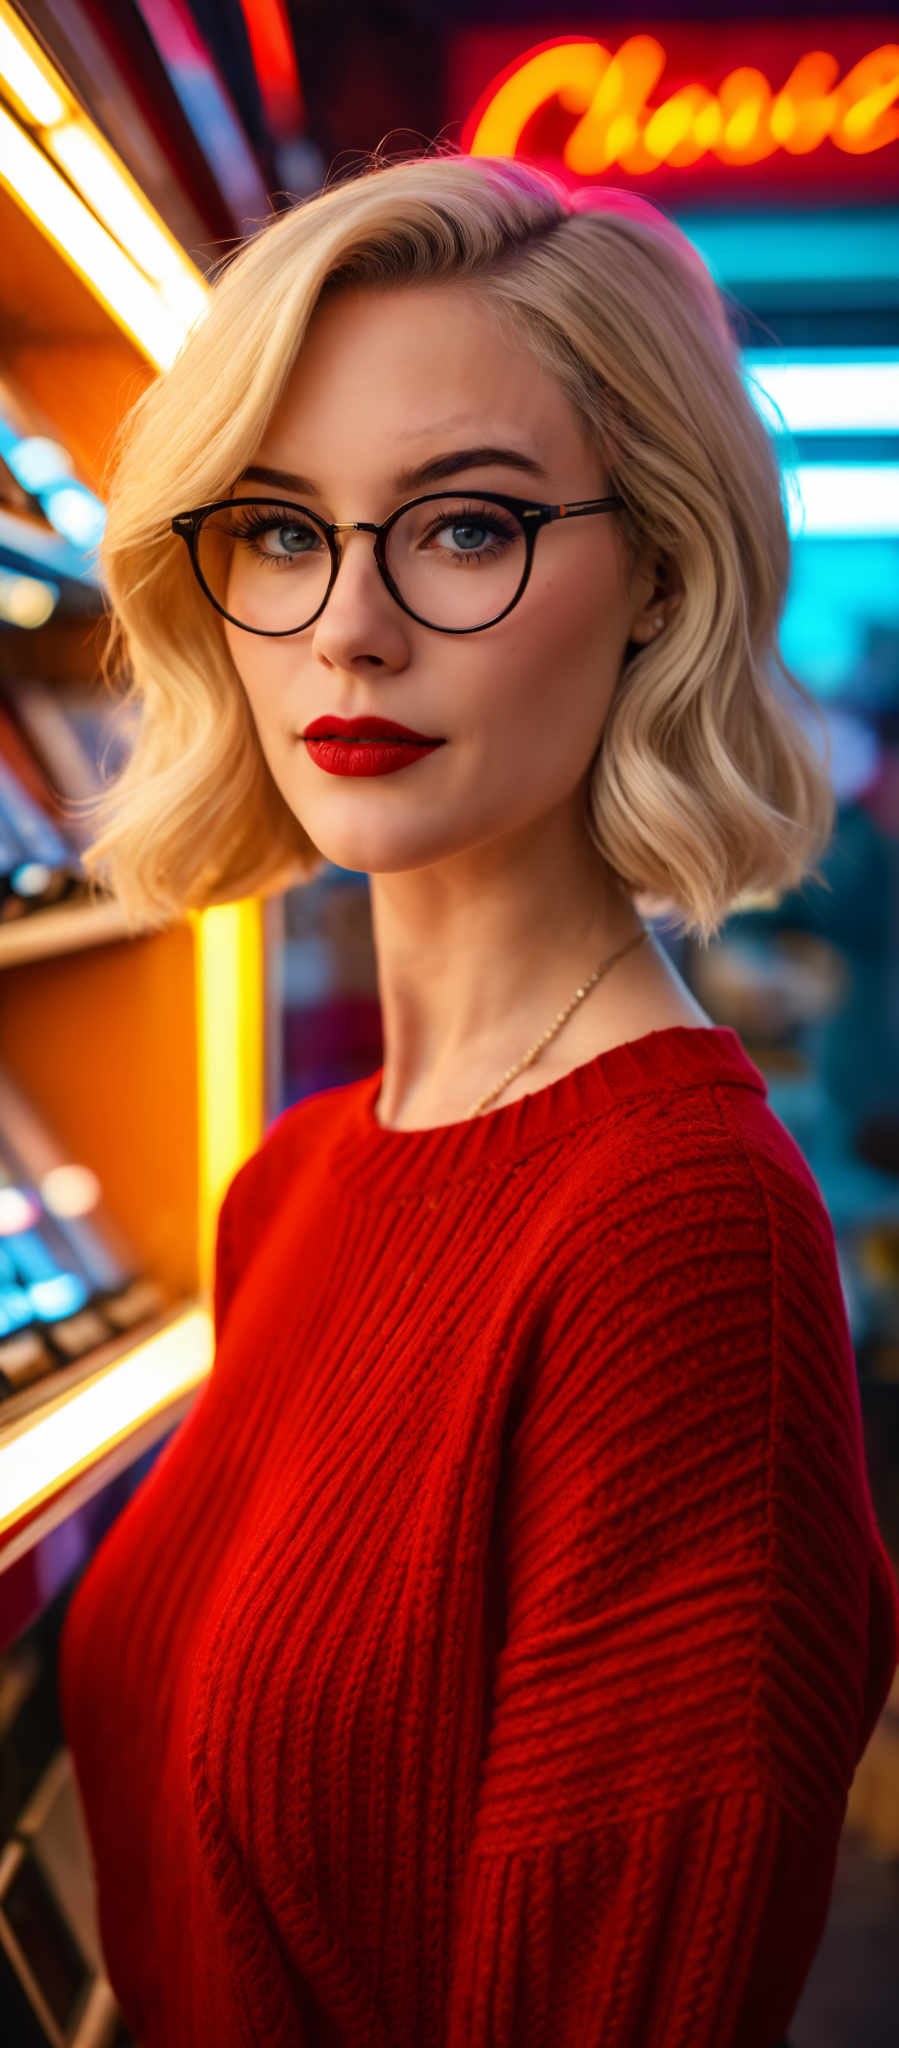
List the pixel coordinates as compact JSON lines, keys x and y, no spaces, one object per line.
{"x":456,"y":561}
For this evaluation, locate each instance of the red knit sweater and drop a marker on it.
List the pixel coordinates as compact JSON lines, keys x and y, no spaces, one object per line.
{"x":485,"y":1661}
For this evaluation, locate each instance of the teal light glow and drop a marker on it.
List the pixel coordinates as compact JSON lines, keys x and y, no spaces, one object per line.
{"x":75,"y":512}
{"x":16,"y":1311}
{"x":842,"y":603}
{"x":826,"y":392}
{"x":44,"y":468}
{"x":61,"y":1296}
{"x":36,"y":462}
{"x":843,"y":498}
{"x":857,"y":248}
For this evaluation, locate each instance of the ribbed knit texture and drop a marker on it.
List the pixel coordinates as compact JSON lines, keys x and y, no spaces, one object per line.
{"x":485,"y":1661}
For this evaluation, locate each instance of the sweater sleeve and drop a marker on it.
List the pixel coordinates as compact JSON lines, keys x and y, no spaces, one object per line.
{"x":700,"y":1632}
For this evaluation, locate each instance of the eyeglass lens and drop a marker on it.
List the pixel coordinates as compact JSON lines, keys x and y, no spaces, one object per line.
{"x":457,"y":562}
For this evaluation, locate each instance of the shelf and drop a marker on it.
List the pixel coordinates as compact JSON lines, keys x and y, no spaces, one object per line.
{"x":94,"y":1419}
{"x":148,"y":1061}
{"x":44,"y":934}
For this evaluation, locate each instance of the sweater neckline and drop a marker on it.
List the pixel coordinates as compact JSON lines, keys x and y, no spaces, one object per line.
{"x":678,"y":1056}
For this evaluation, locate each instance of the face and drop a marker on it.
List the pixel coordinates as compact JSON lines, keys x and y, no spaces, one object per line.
{"x":386,"y":379}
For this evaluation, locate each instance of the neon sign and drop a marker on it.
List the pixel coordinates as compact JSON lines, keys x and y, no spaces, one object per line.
{"x":743,"y":122}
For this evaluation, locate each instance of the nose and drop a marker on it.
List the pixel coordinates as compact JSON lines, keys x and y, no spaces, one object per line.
{"x":361,"y":620}
{"x":343,"y":549}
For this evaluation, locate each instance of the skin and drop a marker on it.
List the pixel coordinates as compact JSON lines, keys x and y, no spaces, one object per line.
{"x":490,"y":904}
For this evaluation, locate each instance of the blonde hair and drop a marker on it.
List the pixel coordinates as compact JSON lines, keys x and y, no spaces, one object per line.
{"x":705,"y":788}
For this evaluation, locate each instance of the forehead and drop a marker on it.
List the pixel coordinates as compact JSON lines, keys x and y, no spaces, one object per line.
{"x":409,"y":365}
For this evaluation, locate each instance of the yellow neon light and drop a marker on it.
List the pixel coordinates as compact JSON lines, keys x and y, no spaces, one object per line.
{"x":230,"y":996}
{"x":26,"y":73}
{"x":97,"y":173}
{"x":43,"y":1453}
{"x":105,"y":228}
{"x":744,"y":122}
{"x":65,"y":220}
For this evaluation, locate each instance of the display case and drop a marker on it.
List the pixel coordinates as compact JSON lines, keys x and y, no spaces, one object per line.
{"x":147,"y":1065}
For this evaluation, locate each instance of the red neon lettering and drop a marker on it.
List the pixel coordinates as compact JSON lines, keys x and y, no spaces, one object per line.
{"x":744,"y":122}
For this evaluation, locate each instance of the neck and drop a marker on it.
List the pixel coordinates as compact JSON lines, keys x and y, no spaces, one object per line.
{"x":473,"y":970}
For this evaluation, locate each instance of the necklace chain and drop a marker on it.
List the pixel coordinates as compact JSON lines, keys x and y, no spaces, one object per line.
{"x":562,"y":1018}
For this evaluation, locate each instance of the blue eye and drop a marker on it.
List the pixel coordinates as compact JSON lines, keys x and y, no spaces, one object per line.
{"x":253,"y":523}
{"x":475,"y":520}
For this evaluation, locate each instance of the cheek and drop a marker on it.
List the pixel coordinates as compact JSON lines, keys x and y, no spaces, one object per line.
{"x":562,"y":655}
{"x":579,"y":604}
{"x":258,"y":674}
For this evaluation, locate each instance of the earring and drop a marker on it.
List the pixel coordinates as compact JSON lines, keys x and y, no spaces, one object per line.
{"x":658,"y":623}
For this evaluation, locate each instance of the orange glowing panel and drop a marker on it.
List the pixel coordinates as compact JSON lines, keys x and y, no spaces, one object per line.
{"x":591,"y":107}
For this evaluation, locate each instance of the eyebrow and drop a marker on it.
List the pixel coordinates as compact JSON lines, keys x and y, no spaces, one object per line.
{"x":432,"y":472}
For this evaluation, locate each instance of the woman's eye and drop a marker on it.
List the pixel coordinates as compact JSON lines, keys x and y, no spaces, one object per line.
{"x":278,"y":539}
{"x":471,"y":533}
{"x":291,"y":538}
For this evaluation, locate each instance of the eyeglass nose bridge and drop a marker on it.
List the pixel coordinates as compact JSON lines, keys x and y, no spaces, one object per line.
{"x":334,"y":527}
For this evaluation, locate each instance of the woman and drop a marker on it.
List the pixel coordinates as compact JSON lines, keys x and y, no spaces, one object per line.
{"x":486,"y":1660}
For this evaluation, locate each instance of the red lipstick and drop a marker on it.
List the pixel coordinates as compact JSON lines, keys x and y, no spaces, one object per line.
{"x":365,"y":746}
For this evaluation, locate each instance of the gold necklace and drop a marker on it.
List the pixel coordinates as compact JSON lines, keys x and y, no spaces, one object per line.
{"x":563,"y":1015}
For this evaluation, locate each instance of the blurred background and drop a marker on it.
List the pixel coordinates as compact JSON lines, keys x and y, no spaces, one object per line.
{"x":139,"y":140}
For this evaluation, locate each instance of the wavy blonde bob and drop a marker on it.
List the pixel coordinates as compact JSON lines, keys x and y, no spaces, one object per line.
{"x":706,"y":788}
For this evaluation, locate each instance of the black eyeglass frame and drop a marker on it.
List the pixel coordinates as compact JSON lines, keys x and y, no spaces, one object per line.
{"x":531,"y":516}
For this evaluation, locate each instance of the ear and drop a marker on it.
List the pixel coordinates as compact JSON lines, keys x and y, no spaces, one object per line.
{"x":657,"y":590}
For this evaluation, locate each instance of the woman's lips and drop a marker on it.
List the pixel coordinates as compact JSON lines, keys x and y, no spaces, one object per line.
{"x":367,"y":756}
{"x":365,"y":726}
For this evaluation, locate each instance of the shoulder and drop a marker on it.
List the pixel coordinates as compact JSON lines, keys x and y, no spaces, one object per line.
{"x":262,"y":1188}
{"x":295,"y":1134}
{"x":693,"y":1226}
{"x":703,"y":1139}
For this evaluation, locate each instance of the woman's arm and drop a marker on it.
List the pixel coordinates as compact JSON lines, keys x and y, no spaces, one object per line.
{"x":702,"y":1627}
